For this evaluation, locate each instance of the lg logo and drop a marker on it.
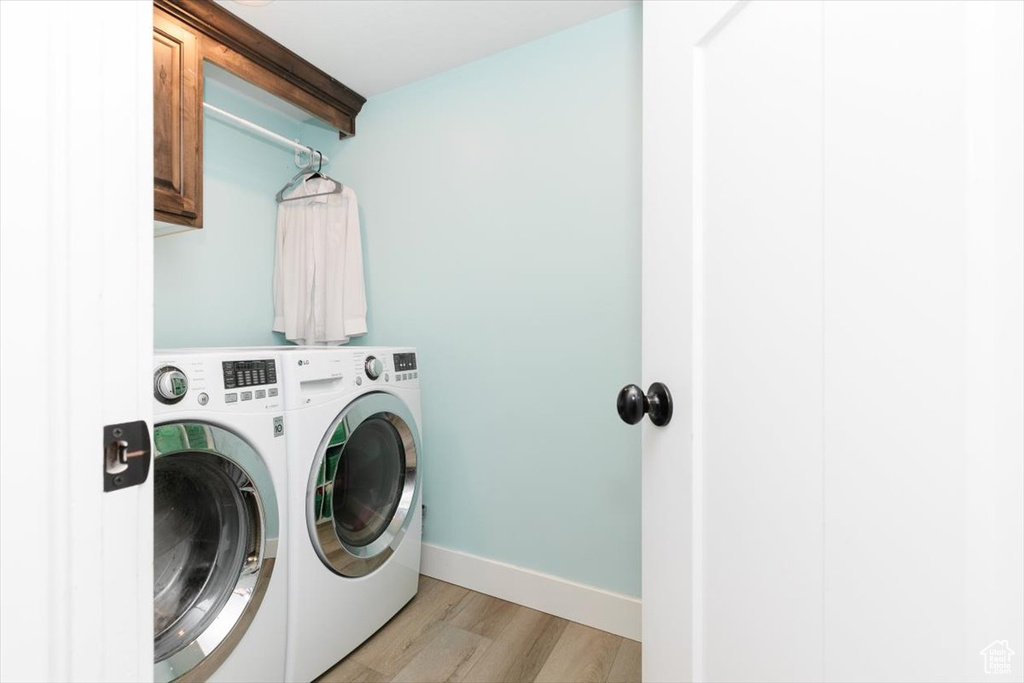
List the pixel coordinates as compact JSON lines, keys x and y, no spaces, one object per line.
{"x":303,"y":362}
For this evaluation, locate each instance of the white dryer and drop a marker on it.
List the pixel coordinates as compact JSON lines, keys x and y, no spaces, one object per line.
{"x":354,"y":451}
{"x":220,"y":522}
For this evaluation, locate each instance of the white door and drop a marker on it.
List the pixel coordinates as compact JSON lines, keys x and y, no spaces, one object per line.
{"x":75,"y":338}
{"x":834,"y":293}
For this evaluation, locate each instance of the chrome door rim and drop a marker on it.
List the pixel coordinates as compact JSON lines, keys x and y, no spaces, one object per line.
{"x":356,"y":561}
{"x":200,"y":658}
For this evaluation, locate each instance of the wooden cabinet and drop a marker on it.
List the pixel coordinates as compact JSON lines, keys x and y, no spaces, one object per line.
{"x":177,"y":123}
{"x":187,"y":32}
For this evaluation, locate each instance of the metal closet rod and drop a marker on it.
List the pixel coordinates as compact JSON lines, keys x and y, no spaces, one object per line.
{"x":268,"y":134}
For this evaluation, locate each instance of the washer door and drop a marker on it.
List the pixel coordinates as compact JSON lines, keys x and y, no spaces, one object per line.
{"x":364,"y":485}
{"x":215,"y":531}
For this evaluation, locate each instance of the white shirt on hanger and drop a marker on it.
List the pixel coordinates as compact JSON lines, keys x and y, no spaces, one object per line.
{"x":319,"y":292}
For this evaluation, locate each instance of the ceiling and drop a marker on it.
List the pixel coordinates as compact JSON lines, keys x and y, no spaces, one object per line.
{"x":373,"y":46}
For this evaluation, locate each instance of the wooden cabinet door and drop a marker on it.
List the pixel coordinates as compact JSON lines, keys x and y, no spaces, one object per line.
{"x":177,"y":123}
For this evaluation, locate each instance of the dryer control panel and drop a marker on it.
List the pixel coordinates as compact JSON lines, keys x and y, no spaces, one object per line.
{"x":404,"y":367}
{"x":405,"y":361}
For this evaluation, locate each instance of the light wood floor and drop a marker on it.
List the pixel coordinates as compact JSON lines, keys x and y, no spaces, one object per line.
{"x":449,"y":633}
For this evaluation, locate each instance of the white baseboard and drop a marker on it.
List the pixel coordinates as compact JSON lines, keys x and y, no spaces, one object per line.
{"x":601,"y":609}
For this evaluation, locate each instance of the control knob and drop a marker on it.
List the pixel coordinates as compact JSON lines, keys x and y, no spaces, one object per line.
{"x":374,"y":366}
{"x":169,"y":384}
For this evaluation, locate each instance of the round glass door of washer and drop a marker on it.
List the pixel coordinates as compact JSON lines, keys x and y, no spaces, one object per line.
{"x":364,"y":485}
{"x":215,"y":527}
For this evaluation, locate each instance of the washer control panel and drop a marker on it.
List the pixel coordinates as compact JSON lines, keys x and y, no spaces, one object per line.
{"x":249,"y":373}
{"x":169,"y":384}
{"x":213,"y":383}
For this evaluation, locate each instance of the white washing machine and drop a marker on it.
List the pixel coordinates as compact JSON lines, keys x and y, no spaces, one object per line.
{"x":354,"y":450}
{"x":220,"y":523}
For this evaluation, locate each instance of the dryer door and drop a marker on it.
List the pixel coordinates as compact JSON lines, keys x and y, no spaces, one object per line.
{"x":364,"y":485}
{"x":216,"y":527}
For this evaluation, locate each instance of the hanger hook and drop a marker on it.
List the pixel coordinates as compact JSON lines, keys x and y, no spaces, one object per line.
{"x":320,"y":160}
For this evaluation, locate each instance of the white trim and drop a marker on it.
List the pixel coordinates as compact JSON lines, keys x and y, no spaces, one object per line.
{"x":697,"y":360}
{"x":595,"y":607}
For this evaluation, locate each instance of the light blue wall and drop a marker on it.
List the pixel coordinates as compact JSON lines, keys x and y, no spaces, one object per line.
{"x":213,"y":287}
{"x":500,"y":209}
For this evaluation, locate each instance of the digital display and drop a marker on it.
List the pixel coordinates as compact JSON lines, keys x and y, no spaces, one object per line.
{"x":249,"y":373}
{"x":405,"y":361}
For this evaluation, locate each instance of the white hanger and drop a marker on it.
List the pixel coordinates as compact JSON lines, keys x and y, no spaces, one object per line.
{"x":338,"y":187}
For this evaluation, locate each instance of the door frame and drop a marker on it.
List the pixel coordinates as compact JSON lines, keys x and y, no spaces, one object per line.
{"x":76,"y":343}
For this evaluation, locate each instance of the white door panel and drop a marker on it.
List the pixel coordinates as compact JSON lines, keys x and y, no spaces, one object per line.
{"x":670,"y":475}
{"x":76,"y":338}
{"x":759,"y":142}
{"x":834,"y":290}
{"x":994,"y":332}
{"x":894,"y":236}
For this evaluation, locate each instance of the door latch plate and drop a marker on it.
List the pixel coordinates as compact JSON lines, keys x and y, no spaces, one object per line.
{"x":126,"y":455}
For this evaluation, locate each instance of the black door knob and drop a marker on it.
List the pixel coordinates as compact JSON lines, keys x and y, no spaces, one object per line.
{"x":632,"y":403}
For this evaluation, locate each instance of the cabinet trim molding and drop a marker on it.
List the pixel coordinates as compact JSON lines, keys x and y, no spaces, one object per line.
{"x":282,"y":72}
